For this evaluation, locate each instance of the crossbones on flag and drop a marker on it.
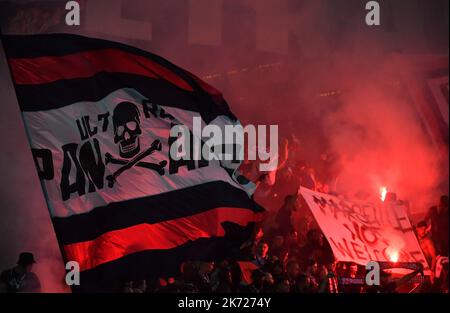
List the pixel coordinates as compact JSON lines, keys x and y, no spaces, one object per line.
{"x":98,"y":115}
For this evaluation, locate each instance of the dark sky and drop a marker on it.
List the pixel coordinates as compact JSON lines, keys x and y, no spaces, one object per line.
{"x":292,"y":50}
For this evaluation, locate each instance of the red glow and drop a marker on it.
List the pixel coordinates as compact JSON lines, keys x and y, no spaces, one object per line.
{"x":383,"y":193}
{"x":393,"y":256}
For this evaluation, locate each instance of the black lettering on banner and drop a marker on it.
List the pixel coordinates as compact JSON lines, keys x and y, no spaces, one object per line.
{"x":359,"y":254}
{"x":105,"y":118}
{"x":321,"y":202}
{"x":346,"y":210}
{"x":70,"y":156}
{"x":350,"y":211}
{"x":363,"y":233}
{"x":376,"y":252}
{"x":344,"y":250}
{"x":357,"y":213}
{"x":150,"y":108}
{"x":83,"y":132}
{"x":91,"y":132}
{"x":84,"y":128}
{"x":374,"y":233}
{"x":334,"y":207}
{"x":368,"y":253}
{"x":350,"y":230}
{"x":371,"y":212}
{"x":165,"y":115}
{"x":95,"y":170}
{"x":47,"y":171}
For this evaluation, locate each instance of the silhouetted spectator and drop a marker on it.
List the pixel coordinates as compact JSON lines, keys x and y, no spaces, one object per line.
{"x":307,"y":177}
{"x":21,"y":278}
{"x":276,"y":269}
{"x":328,"y":278}
{"x":351,"y":278}
{"x":283,"y":287}
{"x":278,"y":247}
{"x":292,"y":273}
{"x":284,"y":215}
{"x":225,"y":281}
{"x":263,"y":282}
{"x":202,"y":278}
{"x":262,"y":254}
{"x":426,"y":244}
{"x":293,"y":243}
{"x":439,"y":219}
{"x":316,"y":248}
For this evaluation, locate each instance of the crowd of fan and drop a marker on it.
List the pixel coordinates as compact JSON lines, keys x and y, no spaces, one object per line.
{"x":288,"y":255}
{"x":284,"y":263}
{"x":284,"y":254}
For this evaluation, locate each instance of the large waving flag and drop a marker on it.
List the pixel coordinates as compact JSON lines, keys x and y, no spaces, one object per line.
{"x":98,"y":116}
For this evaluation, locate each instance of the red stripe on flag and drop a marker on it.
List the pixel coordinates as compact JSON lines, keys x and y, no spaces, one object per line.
{"x":49,"y":69}
{"x":116,"y":244}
